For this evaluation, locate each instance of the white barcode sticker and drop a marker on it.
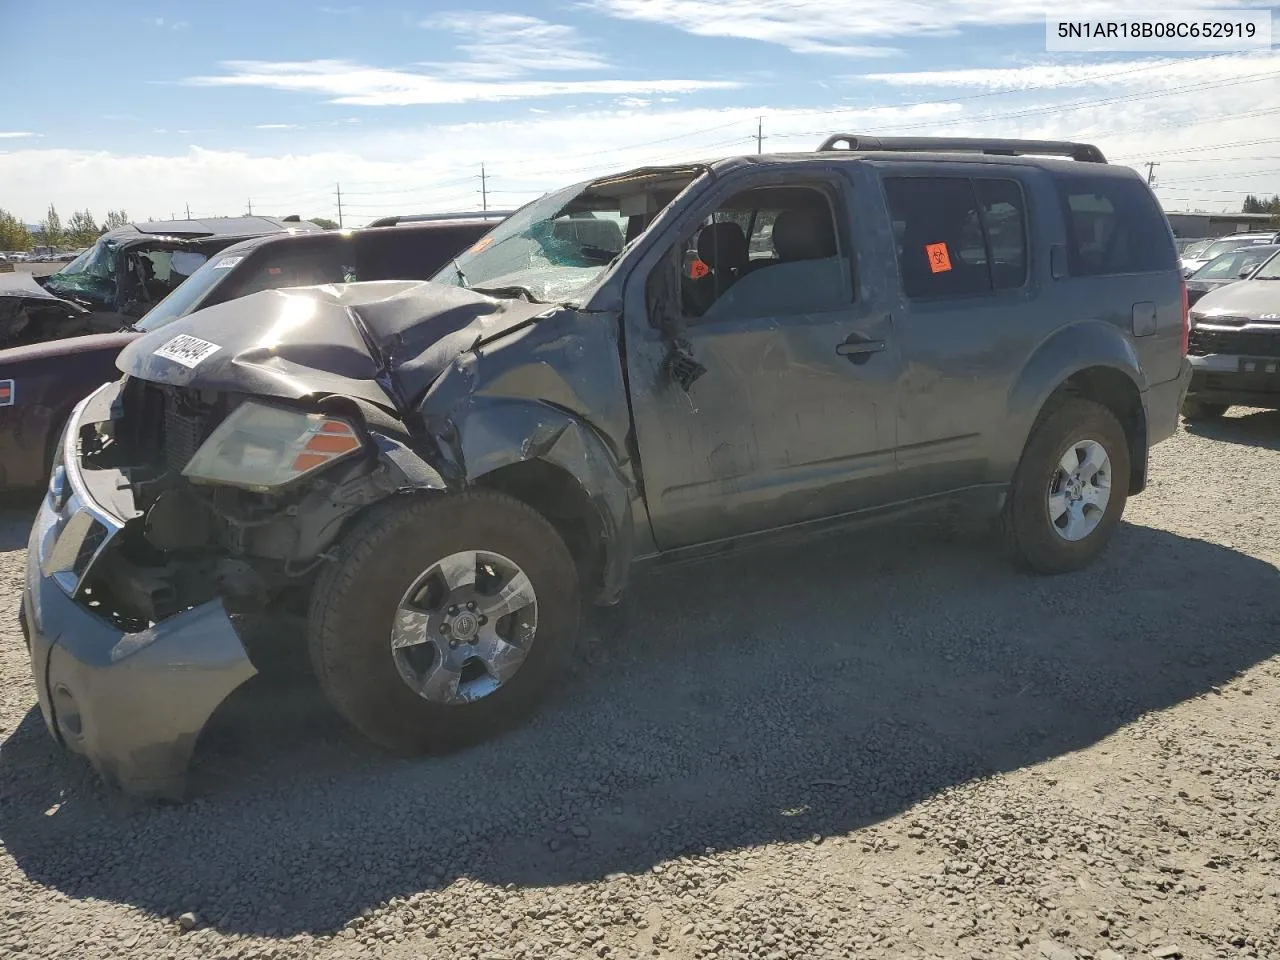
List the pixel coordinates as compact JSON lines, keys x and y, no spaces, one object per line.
{"x":227,"y":263}
{"x":187,"y":350}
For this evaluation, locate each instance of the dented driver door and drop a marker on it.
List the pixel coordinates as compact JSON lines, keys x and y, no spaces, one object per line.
{"x":792,"y":417}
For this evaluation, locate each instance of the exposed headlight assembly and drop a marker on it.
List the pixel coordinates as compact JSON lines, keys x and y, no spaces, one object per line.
{"x":260,"y":447}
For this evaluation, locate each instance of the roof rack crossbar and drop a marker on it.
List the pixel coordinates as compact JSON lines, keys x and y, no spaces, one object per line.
{"x":1084,"y":152}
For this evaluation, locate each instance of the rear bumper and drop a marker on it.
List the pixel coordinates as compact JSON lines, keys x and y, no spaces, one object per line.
{"x":133,"y":702}
{"x":1163,"y":401}
{"x":1218,"y":378}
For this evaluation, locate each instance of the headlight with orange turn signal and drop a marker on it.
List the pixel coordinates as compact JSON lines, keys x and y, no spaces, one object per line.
{"x":260,"y":447}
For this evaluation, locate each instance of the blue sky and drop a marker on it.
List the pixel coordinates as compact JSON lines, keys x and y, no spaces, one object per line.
{"x":153,"y":107}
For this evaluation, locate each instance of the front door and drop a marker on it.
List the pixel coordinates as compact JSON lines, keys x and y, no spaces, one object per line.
{"x":793,"y":415}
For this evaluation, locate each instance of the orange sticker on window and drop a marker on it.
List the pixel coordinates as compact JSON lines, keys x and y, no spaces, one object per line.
{"x":480,"y":244}
{"x":939,"y":258}
{"x":699,"y":269}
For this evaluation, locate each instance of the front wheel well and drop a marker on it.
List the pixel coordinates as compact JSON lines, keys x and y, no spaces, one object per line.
{"x":1117,"y":392}
{"x":557,"y":495}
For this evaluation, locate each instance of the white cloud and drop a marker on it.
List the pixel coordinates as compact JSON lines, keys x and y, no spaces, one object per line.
{"x":851,"y":27}
{"x":16,"y":134}
{"x":275,"y":126}
{"x":1197,"y":137}
{"x":355,"y":84}
{"x":504,"y":45}
{"x":1134,"y":74}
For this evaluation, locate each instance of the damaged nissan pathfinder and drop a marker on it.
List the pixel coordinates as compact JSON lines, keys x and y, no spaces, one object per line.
{"x":649,"y":366}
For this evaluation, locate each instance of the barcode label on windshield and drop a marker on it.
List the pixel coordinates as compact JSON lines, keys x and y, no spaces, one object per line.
{"x":187,"y":350}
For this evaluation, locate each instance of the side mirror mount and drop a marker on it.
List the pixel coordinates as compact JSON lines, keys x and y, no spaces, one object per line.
{"x":1058,"y":261}
{"x":1244,"y":274}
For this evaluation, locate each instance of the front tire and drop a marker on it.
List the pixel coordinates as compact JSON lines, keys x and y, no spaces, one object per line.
{"x":1069,"y":489}
{"x":1200,"y":410}
{"x":444,"y":620}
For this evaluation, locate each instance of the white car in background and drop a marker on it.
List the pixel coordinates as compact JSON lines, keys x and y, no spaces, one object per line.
{"x":1225,"y":245}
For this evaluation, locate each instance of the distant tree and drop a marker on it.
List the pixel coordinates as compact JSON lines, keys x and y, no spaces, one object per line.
{"x":114,"y":219}
{"x":1254,"y":204}
{"x":51,"y":228}
{"x":14,"y":234}
{"x":82,"y":229}
{"x":325,"y":222}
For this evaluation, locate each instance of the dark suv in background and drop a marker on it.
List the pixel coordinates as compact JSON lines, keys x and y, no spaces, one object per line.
{"x":656,"y":365}
{"x":40,"y":383}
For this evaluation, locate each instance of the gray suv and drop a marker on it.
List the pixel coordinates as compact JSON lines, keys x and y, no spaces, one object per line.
{"x":650,"y":366}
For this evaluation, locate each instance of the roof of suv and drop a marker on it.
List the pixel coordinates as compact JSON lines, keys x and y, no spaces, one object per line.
{"x":253,"y":243}
{"x":213,"y":227}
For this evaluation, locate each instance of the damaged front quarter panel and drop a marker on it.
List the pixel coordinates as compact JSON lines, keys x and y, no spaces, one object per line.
{"x":548,"y":393}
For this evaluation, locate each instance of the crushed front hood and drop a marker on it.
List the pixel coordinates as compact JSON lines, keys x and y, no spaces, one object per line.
{"x":382,"y":341}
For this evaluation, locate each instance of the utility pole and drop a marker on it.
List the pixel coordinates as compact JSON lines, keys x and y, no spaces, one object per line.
{"x":484,"y":190}
{"x":339,"y":187}
{"x":188,"y":211}
{"x":251,"y":206}
{"x":1151,"y":173}
{"x":759,"y":135}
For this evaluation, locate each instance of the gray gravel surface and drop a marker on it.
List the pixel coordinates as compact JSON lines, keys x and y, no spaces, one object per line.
{"x":890,"y":745}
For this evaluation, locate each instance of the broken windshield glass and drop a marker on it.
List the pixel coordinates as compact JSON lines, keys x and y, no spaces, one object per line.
{"x":556,"y":247}
{"x":91,"y":275}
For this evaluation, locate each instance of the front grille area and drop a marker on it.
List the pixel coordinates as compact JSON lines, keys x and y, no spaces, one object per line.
{"x":1251,"y":343}
{"x":160,"y":427}
{"x":182,"y":435}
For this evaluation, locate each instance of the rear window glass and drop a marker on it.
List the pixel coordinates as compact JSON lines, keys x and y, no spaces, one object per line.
{"x":1113,"y":226}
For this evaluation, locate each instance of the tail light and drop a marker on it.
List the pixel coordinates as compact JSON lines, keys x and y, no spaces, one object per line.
{"x":1186,"y":320}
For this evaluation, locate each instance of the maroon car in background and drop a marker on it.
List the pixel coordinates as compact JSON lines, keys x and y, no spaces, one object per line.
{"x":41,"y":383}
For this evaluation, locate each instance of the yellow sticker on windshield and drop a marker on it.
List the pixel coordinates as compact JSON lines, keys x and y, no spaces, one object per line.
{"x":481,"y":244}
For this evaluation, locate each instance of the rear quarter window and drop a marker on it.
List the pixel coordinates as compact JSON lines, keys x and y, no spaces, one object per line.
{"x":1114,"y":226}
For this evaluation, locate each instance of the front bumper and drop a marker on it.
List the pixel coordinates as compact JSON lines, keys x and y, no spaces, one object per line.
{"x":134,"y":703}
{"x":1226,"y":378}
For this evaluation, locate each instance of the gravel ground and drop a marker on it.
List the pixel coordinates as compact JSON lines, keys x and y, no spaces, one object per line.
{"x":886,"y":746}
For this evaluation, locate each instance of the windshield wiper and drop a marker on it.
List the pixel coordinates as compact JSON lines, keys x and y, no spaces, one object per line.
{"x":510,"y":292}
{"x":462,"y":277}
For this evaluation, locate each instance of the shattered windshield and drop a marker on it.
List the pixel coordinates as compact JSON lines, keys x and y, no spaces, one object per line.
{"x":555,"y":248}
{"x":92,"y":274}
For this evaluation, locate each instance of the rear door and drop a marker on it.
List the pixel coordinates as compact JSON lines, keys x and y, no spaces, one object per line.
{"x":965,"y":297}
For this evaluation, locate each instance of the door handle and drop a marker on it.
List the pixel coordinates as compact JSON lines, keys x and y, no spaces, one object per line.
{"x":859,"y":349}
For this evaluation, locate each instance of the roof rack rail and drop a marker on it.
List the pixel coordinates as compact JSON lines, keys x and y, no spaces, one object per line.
{"x":1084,"y":152}
{"x":430,"y":217}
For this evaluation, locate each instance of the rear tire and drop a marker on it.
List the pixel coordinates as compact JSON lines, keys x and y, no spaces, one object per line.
{"x":1041,"y":485}
{"x":360,"y":598}
{"x":1200,"y":410}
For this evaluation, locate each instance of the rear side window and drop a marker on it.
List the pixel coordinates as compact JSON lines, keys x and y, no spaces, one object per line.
{"x":412,"y":252}
{"x":1113,"y":226}
{"x":958,"y":236}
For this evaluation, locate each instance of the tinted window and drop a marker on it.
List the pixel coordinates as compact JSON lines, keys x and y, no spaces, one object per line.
{"x":1004,"y":218}
{"x":958,"y":237}
{"x":1113,"y":226}
{"x":412,"y":253}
